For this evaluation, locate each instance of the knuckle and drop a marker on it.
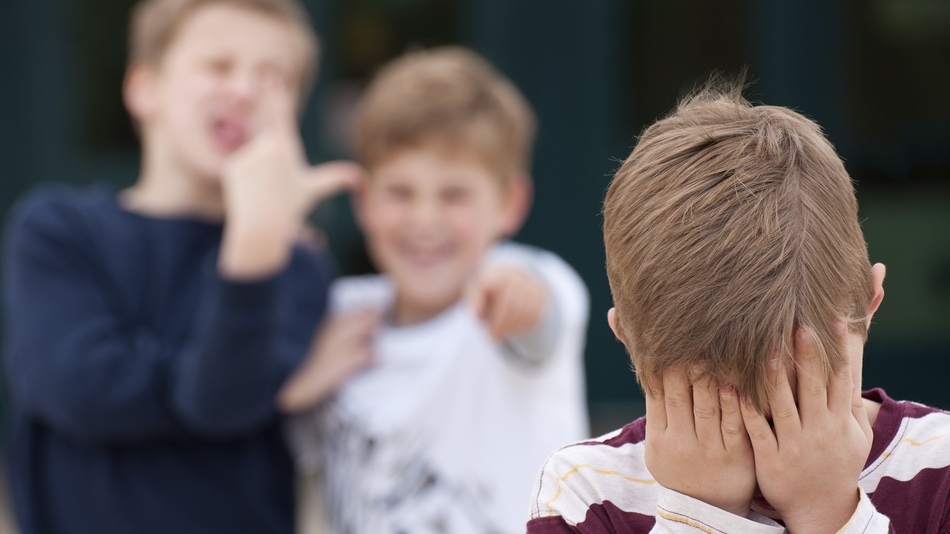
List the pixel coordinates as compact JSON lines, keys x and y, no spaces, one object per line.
{"x":705,"y":412}
{"x":676,"y":400}
{"x":784,"y":412}
{"x":732,"y":428}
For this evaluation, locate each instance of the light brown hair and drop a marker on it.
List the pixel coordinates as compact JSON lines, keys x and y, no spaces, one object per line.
{"x":155,"y":24}
{"x":728,"y":227}
{"x":453,"y":98}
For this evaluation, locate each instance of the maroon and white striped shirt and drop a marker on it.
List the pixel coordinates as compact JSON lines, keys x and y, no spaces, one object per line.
{"x":602,"y":486}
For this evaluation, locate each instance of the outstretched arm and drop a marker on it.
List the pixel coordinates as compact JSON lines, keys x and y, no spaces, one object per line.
{"x":530,"y":299}
{"x":509,"y":299}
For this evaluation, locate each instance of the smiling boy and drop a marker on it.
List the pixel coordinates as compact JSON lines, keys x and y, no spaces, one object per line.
{"x":474,"y":349}
{"x":150,"y":330}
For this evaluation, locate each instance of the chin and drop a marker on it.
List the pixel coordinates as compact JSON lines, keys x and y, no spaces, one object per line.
{"x":210,"y":172}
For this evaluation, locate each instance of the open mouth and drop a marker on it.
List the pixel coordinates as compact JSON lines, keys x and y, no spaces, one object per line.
{"x":228,"y":133}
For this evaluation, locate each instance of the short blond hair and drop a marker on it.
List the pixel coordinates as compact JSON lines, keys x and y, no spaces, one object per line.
{"x":728,"y":227}
{"x":451,"y":97}
{"x":155,"y":24}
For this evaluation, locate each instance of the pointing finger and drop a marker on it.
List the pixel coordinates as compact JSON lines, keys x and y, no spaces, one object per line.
{"x":326,"y":179}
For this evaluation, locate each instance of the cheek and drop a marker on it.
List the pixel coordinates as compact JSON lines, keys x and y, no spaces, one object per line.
{"x":195,"y":87}
{"x":380,"y":219}
{"x":480,"y":221}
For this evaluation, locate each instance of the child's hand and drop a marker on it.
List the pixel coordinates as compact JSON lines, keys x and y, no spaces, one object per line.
{"x":696,"y":443}
{"x":808,"y":466}
{"x":269,"y":189}
{"x":343,"y":346}
{"x":508,"y":299}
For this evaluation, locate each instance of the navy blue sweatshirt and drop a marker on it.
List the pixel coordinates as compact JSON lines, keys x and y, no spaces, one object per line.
{"x":142,"y":382}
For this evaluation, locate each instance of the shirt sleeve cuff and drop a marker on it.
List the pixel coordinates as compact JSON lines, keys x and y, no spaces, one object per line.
{"x":676,"y":512}
{"x":866,"y":518}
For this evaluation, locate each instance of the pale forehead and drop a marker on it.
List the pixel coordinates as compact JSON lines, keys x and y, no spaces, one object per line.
{"x":433,"y":166}
{"x":225,"y":29}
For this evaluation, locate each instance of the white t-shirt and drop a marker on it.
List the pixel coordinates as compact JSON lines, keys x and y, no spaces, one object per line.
{"x":448,"y":430}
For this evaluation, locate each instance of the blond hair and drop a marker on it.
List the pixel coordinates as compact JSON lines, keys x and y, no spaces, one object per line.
{"x":155,"y":24}
{"x":451,"y":97}
{"x":728,"y":227}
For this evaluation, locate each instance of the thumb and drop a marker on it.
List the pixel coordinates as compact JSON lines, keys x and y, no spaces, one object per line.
{"x":278,"y":108}
{"x":479,"y":295}
{"x":326,"y":179}
{"x":860,"y":412}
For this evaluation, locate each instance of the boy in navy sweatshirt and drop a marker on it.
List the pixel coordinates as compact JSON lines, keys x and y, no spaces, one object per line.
{"x":148,"y":331}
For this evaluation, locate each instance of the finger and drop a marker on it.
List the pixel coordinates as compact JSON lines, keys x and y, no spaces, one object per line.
{"x":679,"y":401}
{"x":506,"y":309}
{"x":326,"y":179}
{"x":761,"y":436}
{"x":353,"y":325}
{"x":535,"y":303}
{"x":860,"y":414}
{"x":656,"y":407}
{"x":734,"y":436}
{"x":841,"y":389}
{"x":278,"y":107}
{"x":365,"y":321}
{"x":523,"y":305}
{"x":706,"y":416}
{"x":781,"y":400}
{"x":812,"y":381}
{"x":482,"y":295}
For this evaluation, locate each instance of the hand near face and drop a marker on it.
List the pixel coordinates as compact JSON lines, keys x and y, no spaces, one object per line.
{"x":508,"y":299}
{"x":269,"y":189}
{"x":696,"y":443}
{"x":342,"y":347}
{"x":808,"y":466}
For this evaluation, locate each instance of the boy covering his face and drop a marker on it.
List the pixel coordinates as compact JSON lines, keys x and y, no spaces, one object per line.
{"x":743,"y":294}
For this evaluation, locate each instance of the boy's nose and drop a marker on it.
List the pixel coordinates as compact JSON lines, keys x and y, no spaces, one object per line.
{"x":246,"y":86}
{"x":424,"y":212}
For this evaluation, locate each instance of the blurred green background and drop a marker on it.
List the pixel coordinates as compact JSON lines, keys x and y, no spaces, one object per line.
{"x":874,"y":73}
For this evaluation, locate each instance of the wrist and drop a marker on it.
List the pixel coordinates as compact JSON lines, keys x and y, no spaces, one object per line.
{"x":827,"y":517}
{"x":251,"y":252}
{"x":304,"y":389}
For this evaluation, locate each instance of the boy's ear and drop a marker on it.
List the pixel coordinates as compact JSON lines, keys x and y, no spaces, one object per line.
{"x":138,"y":91}
{"x":877,"y":288}
{"x":518,"y":202}
{"x":612,"y":321}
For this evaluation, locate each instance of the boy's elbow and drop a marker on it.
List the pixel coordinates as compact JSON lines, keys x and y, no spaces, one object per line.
{"x":223,"y":417}
{"x":89,"y":416}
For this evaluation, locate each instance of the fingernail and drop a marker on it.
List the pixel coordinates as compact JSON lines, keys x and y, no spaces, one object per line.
{"x":774,"y":364}
{"x":726,"y":394}
{"x":747,"y":401}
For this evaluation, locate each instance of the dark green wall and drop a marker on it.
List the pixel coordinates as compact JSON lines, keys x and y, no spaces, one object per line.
{"x":872,"y":73}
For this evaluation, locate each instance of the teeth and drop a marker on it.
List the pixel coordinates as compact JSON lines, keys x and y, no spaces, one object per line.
{"x":427,"y":254}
